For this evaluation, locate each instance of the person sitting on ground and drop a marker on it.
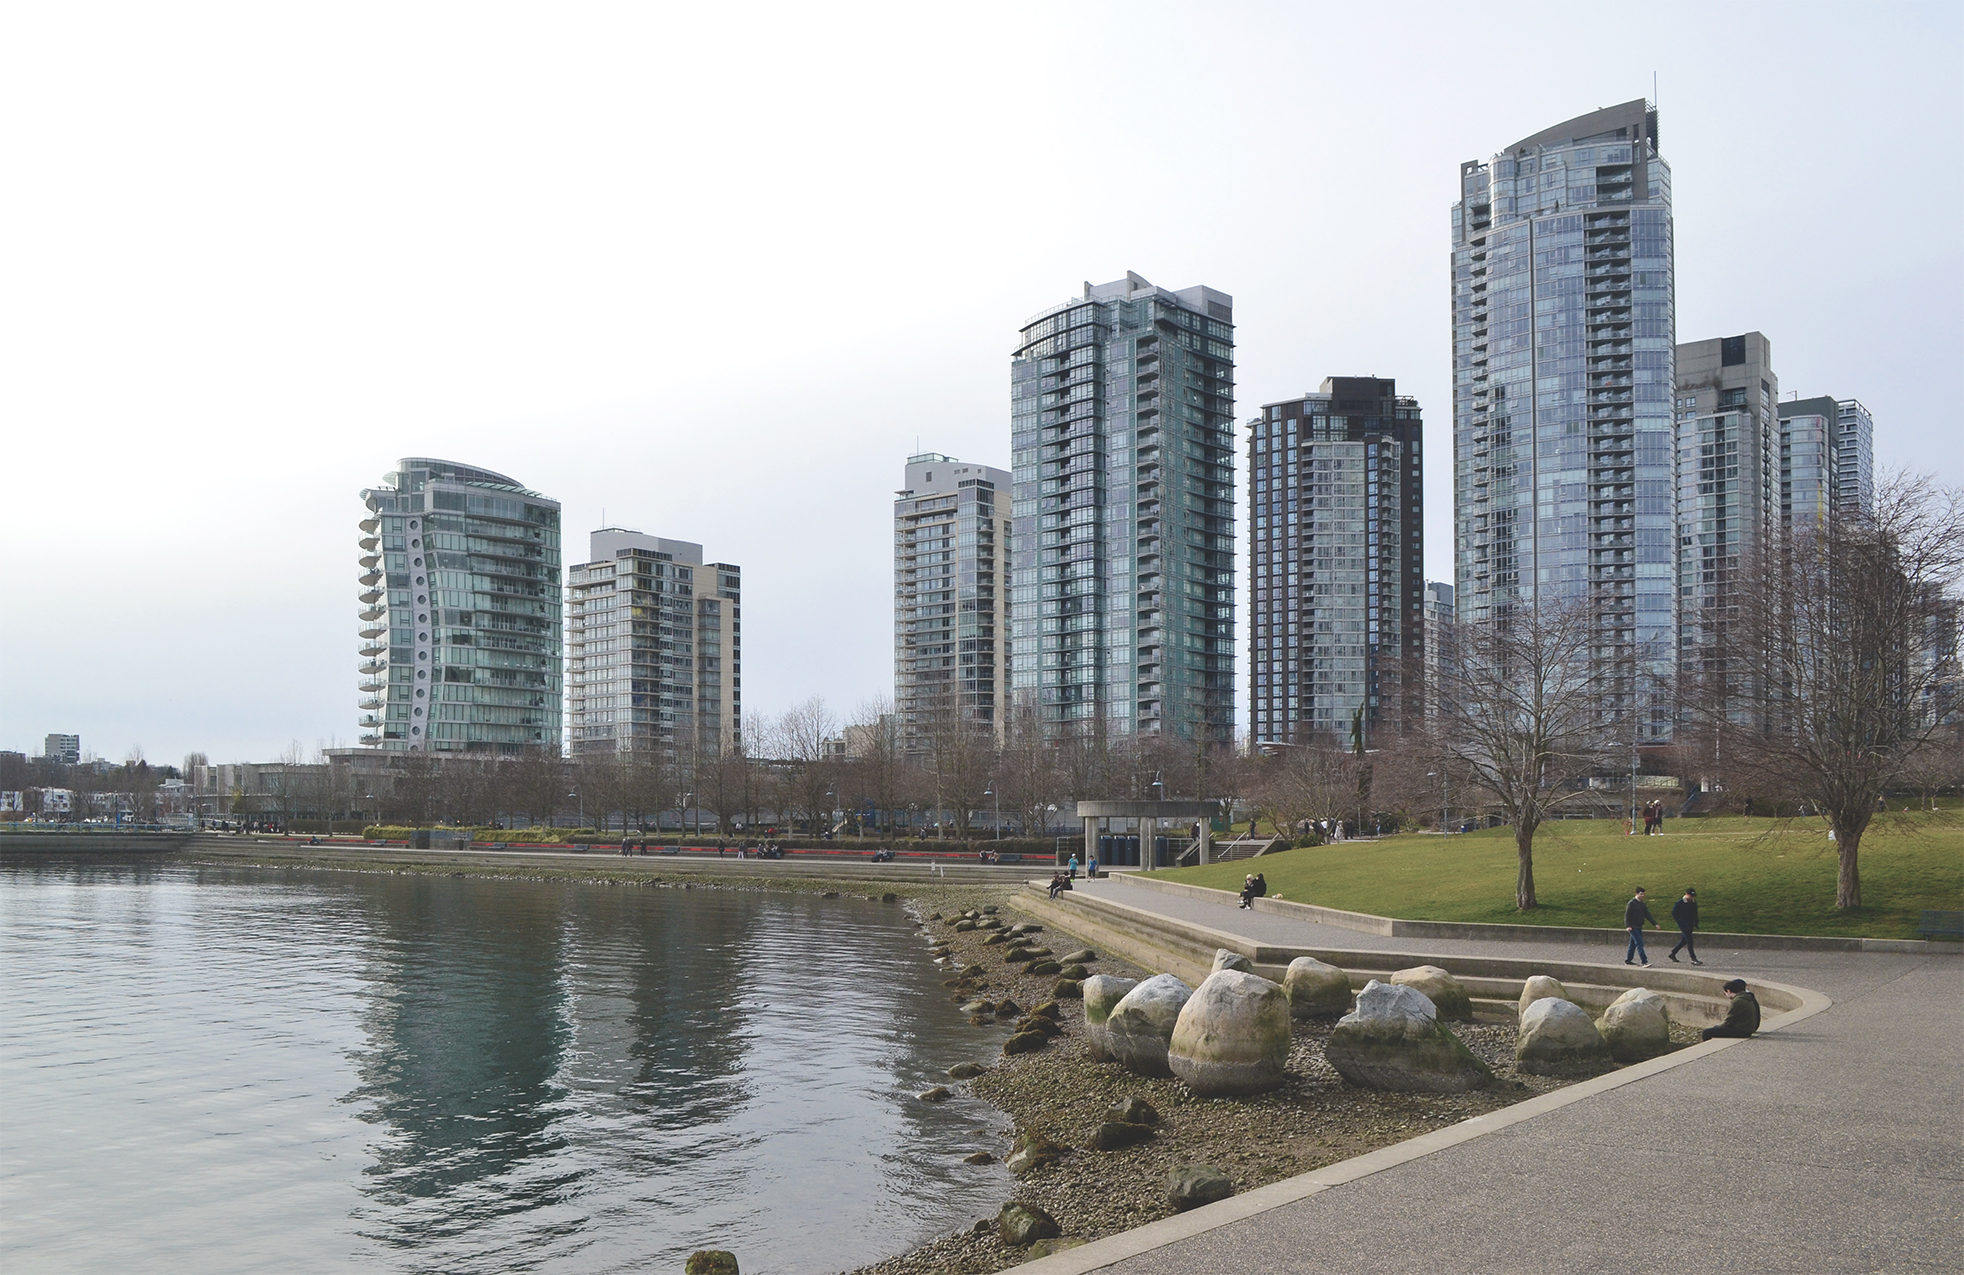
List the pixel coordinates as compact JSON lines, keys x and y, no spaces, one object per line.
{"x":1058,"y":881}
{"x":1742,"y":1019}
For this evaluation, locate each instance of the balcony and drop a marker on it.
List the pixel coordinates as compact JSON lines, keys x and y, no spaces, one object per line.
{"x":371,"y":630}
{"x":370,"y":579}
{"x":371,"y":596}
{"x":369,"y":543}
{"x":373,"y":614}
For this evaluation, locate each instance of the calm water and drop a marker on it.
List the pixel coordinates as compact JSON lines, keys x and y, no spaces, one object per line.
{"x":256,"y":1070}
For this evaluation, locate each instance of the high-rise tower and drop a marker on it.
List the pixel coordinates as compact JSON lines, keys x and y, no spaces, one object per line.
{"x":950,"y":598}
{"x":1122,"y":414}
{"x":460,"y":612}
{"x":654,"y":648}
{"x":1563,"y":342}
{"x":1336,"y":621}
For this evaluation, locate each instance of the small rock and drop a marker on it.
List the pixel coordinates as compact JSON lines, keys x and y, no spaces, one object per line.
{"x":935,"y":917}
{"x":1441,"y":988}
{"x":979,"y":1007}
{"x":964,"y":927}
{"x":1315,"y":989}
{"x":1020,"y":1224}
{"x":940,"y":1093}
{"x":1074,"y":971}
{"x":1101,"y":994}
{"x":1045,"y":968}
{"x":966,"y":1071}
{"x":1232,"y":1036}
{"x":1226,"y":960}
{"x":1047,"y":1009}
{"x":1132,"y":1110}
{"x":1044,"y":1248}
{"x":988,"y":909}
{"x":1082,"y":956}
{"x":1142,"y":1022}
{"x":994,"y":939}
{"x":1193,"y":1185}
{"x":889,"y":897}
{"x":711,"y":1261}
{"x":1557,"y":1039}
{"x":829,"y":894}
{"x":988,"y":923}
{"x":1637,"y":1025}
{"x":1025,"y":1043}
{"x":977,"y":1020}
{"x":1017,"y":955}
{"x":1009,"y":1007}
{"x":980,"y":1157}
{"x":1394,"y":1040}
{"x":1113,"y":1135}
{"x":1033,"y":1023}
{"x":1538,"y":987}
{"x":1068,"y":990}
{"x":984,"y":1227}
{"x":1032,"y":1151}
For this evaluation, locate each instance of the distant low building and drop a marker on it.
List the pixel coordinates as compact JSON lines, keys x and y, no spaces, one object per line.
{"x":63,"y":749}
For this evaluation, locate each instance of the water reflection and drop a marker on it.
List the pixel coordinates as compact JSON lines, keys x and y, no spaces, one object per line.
{"x":495,"y":1075}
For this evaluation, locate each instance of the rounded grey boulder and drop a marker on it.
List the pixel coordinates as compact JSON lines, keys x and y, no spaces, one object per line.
{"x":1441,"y":988}
{"x":1193,"y":1185}
{"x":1315,"y":989}
{"x":1557,"y":1039}
{"x":1394,"y":1040}
{"x":1539,"y":987}
{"x":1102,"y":993}
{"x":1636,"y":1026}
{"x":1226,"y":960}
{"x":1232,"y":1036}
{"x":1142,"y":1023}
{"x":1021,"y":1224}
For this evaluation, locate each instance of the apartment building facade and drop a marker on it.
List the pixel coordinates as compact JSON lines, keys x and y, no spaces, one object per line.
{"x":951,"y":583}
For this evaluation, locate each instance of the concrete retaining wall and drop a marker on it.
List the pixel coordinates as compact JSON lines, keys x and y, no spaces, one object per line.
{"x":54,"y":843}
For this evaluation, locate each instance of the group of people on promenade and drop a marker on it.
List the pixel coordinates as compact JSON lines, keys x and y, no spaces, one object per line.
{"x":1653,"y":818}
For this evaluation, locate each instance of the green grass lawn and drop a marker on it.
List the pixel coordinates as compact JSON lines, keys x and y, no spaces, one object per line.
{"x":1751,"y":877}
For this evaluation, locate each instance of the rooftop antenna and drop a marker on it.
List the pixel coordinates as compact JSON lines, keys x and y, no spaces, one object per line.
{"x":1653,"y":90}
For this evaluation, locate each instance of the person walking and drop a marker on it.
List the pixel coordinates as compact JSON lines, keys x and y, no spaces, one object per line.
{"x":1091,"y":868}
{"x":1635,"y":913}
{"x":1685,"y":913}
{"x":1742,"y":1019}
{"x":1073,"y":867}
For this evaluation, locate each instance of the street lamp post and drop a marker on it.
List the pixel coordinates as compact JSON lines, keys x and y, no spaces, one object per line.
{"x":580,"y":794}
{"x":688,"y":807}
{"x":996,"y":807}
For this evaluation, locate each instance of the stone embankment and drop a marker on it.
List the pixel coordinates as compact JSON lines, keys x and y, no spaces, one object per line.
{"x":1136,"y":1094}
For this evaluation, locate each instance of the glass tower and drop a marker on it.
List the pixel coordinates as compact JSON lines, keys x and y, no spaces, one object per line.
{"x":460,"y":612}
{"x":950,"y":596}
{"x":1121,"y":418}
{"x":654,"y":648}
{"x":1855,"y":465}
{"x":1563,"y":342}
{"x":1336,"y":622}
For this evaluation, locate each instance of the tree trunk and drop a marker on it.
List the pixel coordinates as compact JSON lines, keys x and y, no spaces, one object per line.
{"x":1524,"y":883}
{"x":1848,"y":883}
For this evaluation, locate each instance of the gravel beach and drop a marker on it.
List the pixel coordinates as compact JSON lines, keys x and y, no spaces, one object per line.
{"x":1060,"y":1091}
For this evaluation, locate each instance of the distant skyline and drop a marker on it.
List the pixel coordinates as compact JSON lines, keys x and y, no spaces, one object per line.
{"x":717,"y":271}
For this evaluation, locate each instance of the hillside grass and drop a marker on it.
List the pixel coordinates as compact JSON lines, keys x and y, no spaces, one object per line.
{"x":1753,"y":876}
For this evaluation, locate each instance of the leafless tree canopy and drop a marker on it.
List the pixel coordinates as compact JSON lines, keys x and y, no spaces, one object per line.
{"x":1837,"y":678}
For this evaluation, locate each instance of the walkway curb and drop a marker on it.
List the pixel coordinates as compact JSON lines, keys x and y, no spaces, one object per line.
{"x":1107,"y":1252}
{"x":1393,"y":927}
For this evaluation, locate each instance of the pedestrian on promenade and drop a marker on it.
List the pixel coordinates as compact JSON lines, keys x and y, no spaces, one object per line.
{"x":1685,"y":913}
{"x":1091,"y":868}
{"x":1073,"y":867}
{"x":624,"y":845}
{"x":1635,"y":913}
{"x":1742,"y":1019}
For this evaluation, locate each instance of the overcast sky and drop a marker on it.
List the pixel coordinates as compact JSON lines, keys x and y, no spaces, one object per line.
{"x":718,"y":269}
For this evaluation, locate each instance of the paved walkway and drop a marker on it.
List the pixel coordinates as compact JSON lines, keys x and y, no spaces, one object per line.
{"x":1834,"y":1146}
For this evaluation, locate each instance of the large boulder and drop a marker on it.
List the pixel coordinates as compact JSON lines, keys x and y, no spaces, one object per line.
{"x":1102,"y":993}
{"x":1557,"y":1039}
{"x":1190,"y":1186}
{"x":1227,"y":960}
{"x":1232,"y":1036}
{"x":1033,"y":1151}
{"x":1316,"y":990}
{"x":1394,"y":1040}
{"x":1142,"y":1023}
{"x":1441,"y":988}
{"x":1021,"y":1224}
{"x":1636,"y":1026}
{"x":1539,"y":987}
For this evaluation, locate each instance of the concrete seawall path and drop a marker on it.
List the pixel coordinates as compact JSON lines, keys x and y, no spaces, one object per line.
{"x":1832,"y":1144}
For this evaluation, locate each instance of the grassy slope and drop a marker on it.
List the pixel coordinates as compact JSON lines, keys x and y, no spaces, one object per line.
{"x":1750,"y":878}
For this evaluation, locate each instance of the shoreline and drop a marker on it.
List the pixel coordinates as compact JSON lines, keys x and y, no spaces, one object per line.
{"x":1314,"y":1121}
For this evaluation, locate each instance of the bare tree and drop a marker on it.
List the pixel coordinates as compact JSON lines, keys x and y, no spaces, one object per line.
{"x":1027,"y":771}
{"x":537,"y":784}
{"x":1307,"y":782}
{"x":960,"y":756}
{"x":1841,"y":668}
{"x":801,"y":737}
{"x":1527,"y":718}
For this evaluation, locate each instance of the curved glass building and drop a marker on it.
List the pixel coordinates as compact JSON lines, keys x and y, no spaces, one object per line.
{"x":461,"y":637}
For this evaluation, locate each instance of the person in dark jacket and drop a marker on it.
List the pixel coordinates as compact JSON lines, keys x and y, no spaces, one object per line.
{"x":1743,"y":1018}
{"x":1685,"y":913}
{"x":1635,"y":914}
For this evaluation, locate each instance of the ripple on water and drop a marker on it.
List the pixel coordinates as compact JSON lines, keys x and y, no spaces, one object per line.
{"x":255,"y":1069}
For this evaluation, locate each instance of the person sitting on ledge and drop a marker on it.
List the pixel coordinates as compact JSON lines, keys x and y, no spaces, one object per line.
{"x":1058,"y":881}
{"x":1742,"y":1019}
